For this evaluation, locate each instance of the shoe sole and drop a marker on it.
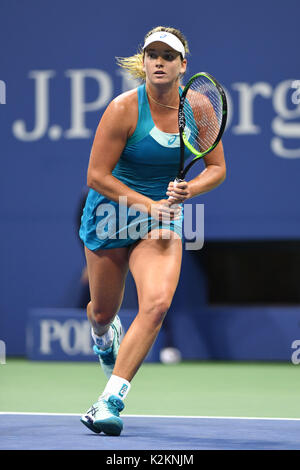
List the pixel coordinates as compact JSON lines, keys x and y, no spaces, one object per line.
{"x":110,"y":426}
{"x":90,"y":426}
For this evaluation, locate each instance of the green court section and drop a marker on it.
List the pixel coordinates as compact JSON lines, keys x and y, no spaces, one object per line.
{"x":189,"y":388}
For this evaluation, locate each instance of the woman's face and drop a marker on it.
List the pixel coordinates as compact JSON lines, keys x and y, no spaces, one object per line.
{"x":162,"y":64}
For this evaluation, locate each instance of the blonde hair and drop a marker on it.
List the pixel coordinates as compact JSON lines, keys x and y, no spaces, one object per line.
{"x":134,"y":64}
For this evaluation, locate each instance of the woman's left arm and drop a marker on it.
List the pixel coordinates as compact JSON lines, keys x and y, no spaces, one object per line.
{"x":212,"y":176}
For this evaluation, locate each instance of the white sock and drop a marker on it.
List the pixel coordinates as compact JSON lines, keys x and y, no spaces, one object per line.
{"x":104,"y":341}
{"x":116,"y":386}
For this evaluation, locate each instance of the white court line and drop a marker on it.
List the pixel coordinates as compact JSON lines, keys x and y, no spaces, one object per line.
{"x":151,"y":416}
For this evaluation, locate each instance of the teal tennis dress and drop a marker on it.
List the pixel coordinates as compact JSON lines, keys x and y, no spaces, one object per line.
{"x":149,"y":161}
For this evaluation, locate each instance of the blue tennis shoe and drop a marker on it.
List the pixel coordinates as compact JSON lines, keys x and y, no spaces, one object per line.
{"x":103,"y":416}
{"x":107,"y":357}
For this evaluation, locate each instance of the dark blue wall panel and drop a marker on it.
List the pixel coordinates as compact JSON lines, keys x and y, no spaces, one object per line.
{"x":46,"y":48}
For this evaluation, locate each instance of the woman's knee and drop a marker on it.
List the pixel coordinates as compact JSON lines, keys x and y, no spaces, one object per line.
{"x":100,"y":316}
{"x":154,"y":308}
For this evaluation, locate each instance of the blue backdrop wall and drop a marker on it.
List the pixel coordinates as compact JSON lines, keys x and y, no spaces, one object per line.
{"x":58,"y":73}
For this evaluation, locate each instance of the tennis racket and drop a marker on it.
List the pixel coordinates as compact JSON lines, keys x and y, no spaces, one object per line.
{"x":202,"y":116}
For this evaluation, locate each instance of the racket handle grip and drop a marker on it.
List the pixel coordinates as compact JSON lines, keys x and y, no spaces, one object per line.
{"x":176,"y":181}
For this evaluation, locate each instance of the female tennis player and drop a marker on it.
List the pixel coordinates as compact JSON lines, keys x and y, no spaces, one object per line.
{"x":129,"y":222}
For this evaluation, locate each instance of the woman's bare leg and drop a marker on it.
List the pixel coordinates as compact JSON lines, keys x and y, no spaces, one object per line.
{"x":155,"y":266}
{"x":107,"y":271}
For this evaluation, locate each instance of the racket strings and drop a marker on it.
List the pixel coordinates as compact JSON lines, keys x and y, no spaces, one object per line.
{"x":203,"y":110}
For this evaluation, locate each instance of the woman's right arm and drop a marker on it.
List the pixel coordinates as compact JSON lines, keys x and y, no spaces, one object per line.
{"x":117,"y":124}
{"x":110,"y":139}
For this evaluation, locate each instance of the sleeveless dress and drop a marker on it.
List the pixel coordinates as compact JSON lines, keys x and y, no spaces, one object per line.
{"x":149,"y":161}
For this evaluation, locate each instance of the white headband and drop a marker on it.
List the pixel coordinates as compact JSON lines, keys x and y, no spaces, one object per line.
{"x":167,"y":38}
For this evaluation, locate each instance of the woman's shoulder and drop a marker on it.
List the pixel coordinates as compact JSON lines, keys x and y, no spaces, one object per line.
{"x":126,"y":101}
{"x":123,"y":109}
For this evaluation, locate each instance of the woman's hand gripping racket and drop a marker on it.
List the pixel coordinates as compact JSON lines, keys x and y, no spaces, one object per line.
{"x":202,"y":116}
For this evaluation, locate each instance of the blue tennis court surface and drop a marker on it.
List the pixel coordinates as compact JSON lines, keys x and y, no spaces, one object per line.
{"x":65,"y":432}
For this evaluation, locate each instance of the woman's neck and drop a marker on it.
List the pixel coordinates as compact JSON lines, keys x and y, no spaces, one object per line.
{"x":166,"y":98}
